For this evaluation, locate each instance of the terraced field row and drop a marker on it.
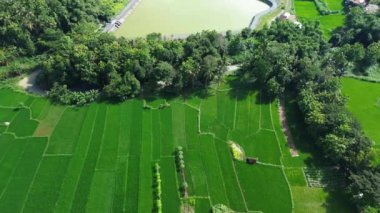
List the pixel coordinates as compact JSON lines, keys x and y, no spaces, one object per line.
{"x":100,"y":157}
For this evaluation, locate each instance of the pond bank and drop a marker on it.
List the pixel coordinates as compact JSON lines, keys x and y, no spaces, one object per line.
{"x":177,"y":20}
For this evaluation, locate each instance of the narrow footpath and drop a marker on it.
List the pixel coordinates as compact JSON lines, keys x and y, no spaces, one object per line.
{"x":286,"y":130}
{"x":127,"y":10}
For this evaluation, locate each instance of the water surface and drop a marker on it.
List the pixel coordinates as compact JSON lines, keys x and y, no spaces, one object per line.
{"x":179,"y":17}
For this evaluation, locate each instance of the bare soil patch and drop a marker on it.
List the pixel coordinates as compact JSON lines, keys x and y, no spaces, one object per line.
{"x":286,"y":130}
{"x":28,"y":83}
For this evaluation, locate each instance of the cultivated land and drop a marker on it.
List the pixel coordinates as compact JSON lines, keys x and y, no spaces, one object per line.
{"x":364,"y":103}
{"x":100,"y":157}
{"x":306,"y":10}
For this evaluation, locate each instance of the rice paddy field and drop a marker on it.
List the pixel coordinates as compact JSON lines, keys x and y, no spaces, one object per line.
{"x":99,"y":158}
{"x":364,"y":103}
{"x":306,"y":10}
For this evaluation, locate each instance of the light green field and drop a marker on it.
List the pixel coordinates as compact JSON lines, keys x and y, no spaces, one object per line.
{"x":306,"y":10}
{"x":183,"y":17}
{"x":99,"y":158}
{"x":117,"y":5}
{"x":364,"y":103}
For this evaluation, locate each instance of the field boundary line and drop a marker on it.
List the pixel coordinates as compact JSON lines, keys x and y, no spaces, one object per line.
{"x":39,"y":166}
{"x":235,"y":112}
{"x":53,"y":126}
{"x":57,"y":155}
{"x":43,"y":108}
{"x":282,"y":169}
{"x":11,"y":121}
{"x":270,"y":164}
{"x":220,"y":171}
{"x":200,"y":132}
{"x":97,"y":160}
{"x":200,"y":197}
{"x":204,"y":173}
{"x":102,"y":142}
{"x":184,"y":126}
{"x":241,"y":190}
{"x":13,"y":171}
{"x":6,"y":152}
{"x":260,"y":112}
{"x":191,"y":106}
{"x":85,"y":157}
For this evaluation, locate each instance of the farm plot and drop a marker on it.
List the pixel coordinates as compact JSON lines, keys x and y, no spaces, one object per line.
{"x":101,"y":157}
{"x":306,"y":10}
{"x":364,"y":103}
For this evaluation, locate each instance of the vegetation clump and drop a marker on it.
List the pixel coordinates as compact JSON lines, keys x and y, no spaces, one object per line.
{"x":323,"y":9}
{"x":181,"y":167}
{"x":237,"y":151}
{"x":61,"y":94}
{"x":157,"y":188}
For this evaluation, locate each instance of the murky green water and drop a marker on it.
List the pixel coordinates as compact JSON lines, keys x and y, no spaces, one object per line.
{"x":178,"y":17}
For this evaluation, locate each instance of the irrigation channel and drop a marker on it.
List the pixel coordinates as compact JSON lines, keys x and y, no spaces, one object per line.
{"x":140,"y":21}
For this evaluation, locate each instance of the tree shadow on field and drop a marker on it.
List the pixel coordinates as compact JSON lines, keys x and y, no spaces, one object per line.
{"x":338,"y":201}
{"x":300,"y":134}
{"x":241,"y":89}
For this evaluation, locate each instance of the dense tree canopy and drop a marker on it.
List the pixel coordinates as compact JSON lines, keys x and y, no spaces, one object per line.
{"x":299,"y":62}
{"x":23,"y":22}
{"x":122,"y":68}
{"x":359,"y":27}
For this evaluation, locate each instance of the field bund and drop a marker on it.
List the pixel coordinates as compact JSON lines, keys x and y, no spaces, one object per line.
{"x":182,"y":17}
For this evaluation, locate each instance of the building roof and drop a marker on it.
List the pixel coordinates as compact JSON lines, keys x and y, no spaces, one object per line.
{"x":372,"y":8}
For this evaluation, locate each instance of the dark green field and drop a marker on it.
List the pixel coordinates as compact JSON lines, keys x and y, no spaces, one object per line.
{"x":99,"y":158}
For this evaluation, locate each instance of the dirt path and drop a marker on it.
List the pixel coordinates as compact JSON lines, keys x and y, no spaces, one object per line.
{"x":28,"y":83}
{"x":127,"y":10}
{"x":256,"y":18}
{"x":286,"y":130}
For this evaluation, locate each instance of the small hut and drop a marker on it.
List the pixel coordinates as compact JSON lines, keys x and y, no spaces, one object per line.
{"x":251,"y":161}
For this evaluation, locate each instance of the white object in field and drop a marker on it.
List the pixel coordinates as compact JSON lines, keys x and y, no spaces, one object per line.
{"x":7,"y":123}
{"x":161,"y":83}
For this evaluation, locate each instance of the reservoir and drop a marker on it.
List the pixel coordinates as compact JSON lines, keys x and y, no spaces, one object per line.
{"x":182,"y":17}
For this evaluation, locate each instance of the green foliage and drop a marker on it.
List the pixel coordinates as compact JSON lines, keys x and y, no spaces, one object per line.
{"x":237,"y":151}
{"x":283,"y":63}
{"x":61,"y":94}
{"x":365,"y":186}
{"x":322,"y":8}
{"x":157,"y":186}
{"x":23,"y":22}
{"x":359,"y":27}
{"x":121,"y":69}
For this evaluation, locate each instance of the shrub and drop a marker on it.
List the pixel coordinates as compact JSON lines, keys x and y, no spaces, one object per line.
{"x":61,"y":94}
{"x":323,"y":9}
{"x":237,"y":151}
{"x":157,"y":189}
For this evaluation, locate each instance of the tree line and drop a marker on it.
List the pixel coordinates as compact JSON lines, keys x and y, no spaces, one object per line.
{"x":290,"y":60}
{"x":122,"y":69}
